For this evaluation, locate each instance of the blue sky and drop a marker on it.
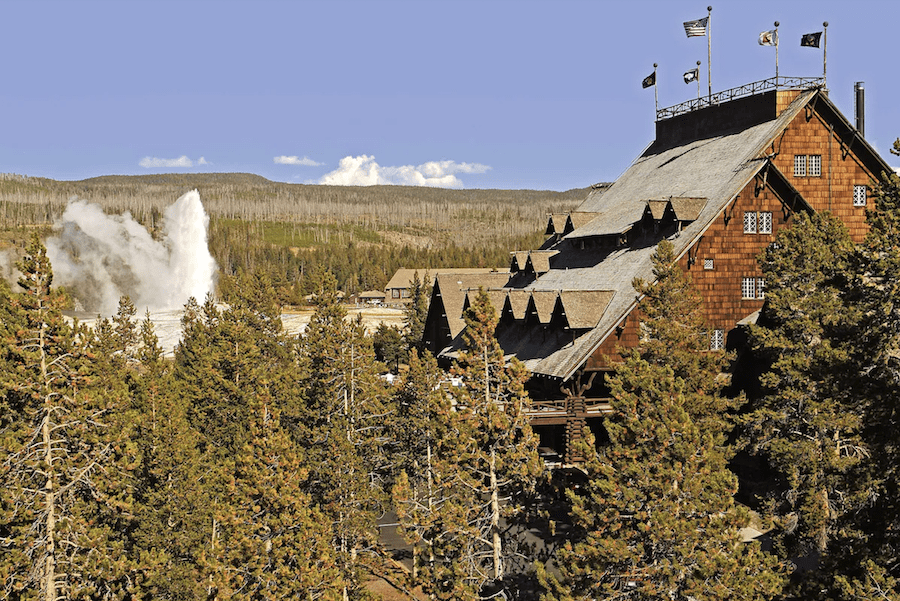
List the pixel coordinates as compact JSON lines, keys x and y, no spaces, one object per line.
{"x":473,"y":94}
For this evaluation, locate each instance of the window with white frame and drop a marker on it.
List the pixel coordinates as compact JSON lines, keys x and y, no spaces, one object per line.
{"x":859,"y":195}
{"x":748,"y":288}
{"x":760,"y":287}
{"x":758,"y":223}
{"x":815,"y":165}
{"x":807,"y":165}
{"x":717,"y":340}
{"x":750,"y":222}
{"x":708,"y":264}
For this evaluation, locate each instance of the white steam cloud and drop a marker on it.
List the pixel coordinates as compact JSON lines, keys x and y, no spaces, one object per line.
{"x":364,"y":171}
{"x":182,"y":161}
{"x":295,"y":160}
{"x":101,"y":257}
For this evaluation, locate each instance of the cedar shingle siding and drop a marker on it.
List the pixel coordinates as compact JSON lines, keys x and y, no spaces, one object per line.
{"x":708,"y":174}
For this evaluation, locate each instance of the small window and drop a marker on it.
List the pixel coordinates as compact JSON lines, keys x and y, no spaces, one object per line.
{"x":799,"y":165}
{"x":765,"y":223}
{"x":750,"y":223}
{"x":760,"y":287}
{"x":708,"y":264}
{"x":717,"y":340}
{"x":815,"y":165}
{"x":859,"y":195}
{"x":758,"y":223}
{"x":748,"y":288}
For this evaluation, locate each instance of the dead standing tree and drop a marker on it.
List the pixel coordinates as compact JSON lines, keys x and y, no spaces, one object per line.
{"x":55,"y":463}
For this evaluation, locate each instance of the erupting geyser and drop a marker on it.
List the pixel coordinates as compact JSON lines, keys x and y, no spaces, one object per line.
{"x":101,"y":257}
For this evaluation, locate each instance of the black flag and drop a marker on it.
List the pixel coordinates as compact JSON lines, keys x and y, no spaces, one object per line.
{"x":811,"y":39}
{"x":650,"y":80}
{"x":691,"y":75}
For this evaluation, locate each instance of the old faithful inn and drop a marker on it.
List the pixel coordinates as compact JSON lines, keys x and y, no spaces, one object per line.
{"x":720,"y":179}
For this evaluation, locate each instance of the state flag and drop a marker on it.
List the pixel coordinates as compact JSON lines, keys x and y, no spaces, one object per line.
{"x":811,"y":39}
{"x":768,"y":38}
{"x":650,"y":80}
{"x":696,"y":28}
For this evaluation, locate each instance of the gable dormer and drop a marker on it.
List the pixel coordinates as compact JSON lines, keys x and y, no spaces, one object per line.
{"x":518,"y":261}
{"x":539,"y":261}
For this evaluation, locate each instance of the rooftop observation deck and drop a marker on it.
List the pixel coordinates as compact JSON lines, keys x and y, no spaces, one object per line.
{"x":750,"y":89}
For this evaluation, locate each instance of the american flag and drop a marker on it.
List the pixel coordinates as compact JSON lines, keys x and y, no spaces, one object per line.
{"x":696,"y":28}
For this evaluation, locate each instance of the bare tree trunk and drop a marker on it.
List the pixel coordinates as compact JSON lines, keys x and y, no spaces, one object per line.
{"x":495,"y":519}
{"x":49,"y":572}
{"x":430,"y":502}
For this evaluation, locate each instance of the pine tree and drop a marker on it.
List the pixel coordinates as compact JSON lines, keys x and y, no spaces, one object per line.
{"x":865,"y":563}
{"x":236,"y":370}
{"x":417,"y":312}
{"x":342,"y":430}
{"x":490,"y":466}
{"x":173,"y":500}
{"x":67,"y":459}
{"x":805,"y":423}
{"x":657,"y":518}
{"x":674,"y":334}
{"x":424,"y":419}
{"x":275,"y":545}
{"x":388,"y":345}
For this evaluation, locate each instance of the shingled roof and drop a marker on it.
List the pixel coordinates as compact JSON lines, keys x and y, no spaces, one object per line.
{"x":695,"y":178}
{"x":453,"y":288}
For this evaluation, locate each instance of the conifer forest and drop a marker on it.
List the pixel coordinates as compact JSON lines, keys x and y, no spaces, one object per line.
{"x":257,"y":465}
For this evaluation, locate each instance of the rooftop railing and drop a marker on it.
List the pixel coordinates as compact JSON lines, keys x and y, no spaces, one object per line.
{"x":757,"y":87}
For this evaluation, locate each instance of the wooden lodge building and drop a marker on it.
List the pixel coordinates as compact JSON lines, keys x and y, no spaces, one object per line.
{"x":722,"y":177}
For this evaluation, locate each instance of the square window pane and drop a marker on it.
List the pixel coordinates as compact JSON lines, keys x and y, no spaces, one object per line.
{"x":748,"y":287}
{"x":859,"y":196}
{"x":815,"y":165}
{"x":750,"y":223}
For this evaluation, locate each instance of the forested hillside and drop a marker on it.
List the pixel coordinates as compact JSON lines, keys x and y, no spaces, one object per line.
{"x":361,"y":234}
{"x":256,"y":465}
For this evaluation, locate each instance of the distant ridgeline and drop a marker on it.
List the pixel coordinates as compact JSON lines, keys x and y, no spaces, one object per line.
{"x":361,"y":233}
{"x":249,"y":196}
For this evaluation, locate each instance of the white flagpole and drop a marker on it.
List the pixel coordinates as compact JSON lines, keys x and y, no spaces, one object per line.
{"x":698,"y":82}
{"x":709,"y":50}
{"x":825,"y":55}
{"x":655,"y":88}
{"x":776,"y":54}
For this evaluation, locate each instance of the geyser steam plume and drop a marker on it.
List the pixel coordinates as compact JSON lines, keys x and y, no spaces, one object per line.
{"x":101,"y":257}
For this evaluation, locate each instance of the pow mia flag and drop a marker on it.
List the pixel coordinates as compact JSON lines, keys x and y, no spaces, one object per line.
{"x":650,"y":80}
{"x":691,"y":75}
{"x":811,"y":39}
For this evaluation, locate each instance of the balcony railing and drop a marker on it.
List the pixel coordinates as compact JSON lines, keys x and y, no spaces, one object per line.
{"x":757,"y":87}
{"x":560,"y":407}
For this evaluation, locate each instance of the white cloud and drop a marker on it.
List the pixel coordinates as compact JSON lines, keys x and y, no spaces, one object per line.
{"x":203,"y":161}
{"x":364,"y":171}
{"x":295,"y":160}
{"x":182,"y":161}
